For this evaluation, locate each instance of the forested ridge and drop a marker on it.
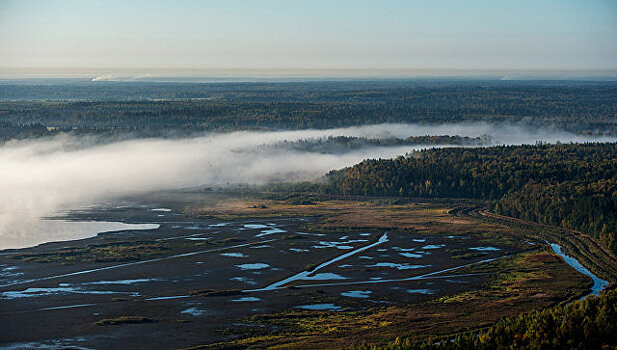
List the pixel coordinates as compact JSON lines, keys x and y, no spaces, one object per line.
{"x":568,"y":185}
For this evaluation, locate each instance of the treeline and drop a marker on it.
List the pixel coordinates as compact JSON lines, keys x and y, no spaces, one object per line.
{"x":586,"y":324}
{"x":587,"y":207}
{"x":568,"y":185}
{"x":9,"y":131}
{"x":587,"y":107}
{"x":341,"y":144}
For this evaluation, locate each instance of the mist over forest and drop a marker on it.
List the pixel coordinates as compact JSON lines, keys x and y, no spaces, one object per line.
{"x":397,"y":175}
{"x":473,"y":152}
{"x":63,"y":141}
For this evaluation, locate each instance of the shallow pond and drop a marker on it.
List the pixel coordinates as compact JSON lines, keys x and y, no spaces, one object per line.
{"x":234,"y":255}
{"x":321,"y":307}
{"x":193,"y":311}
{"x":37,"y":292}
{"x":485,"y":249}
{"x":65,"y":230}
{"x":253,"y":266}
{"x":421,"y":291}
{"x":246,"y":299}
{"x":357,"y":294}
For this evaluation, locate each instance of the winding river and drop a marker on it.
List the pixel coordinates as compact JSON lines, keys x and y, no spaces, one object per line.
{"x":598,"y":283}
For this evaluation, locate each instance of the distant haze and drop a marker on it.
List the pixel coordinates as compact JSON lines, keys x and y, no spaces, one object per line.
{"x":319,"y":37}
{"x":40,"y":177}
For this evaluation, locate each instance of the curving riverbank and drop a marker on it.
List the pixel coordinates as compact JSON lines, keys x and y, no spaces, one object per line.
{"x":598,"y":283}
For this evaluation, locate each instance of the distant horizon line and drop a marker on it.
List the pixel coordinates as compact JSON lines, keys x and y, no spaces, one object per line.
{"x":127,"y":73}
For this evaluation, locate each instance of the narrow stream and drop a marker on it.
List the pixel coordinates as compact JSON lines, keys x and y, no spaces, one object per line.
{"x":598,"y":284}
{"x":305,"y":274}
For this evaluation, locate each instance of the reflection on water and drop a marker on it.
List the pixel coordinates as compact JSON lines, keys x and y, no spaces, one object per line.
{"x":38,"y":292}
{"x":420,"y":291}
{"x":161,"y":209}
{"x":411,"y":255}
{"x":485,"y":249}
{"x":122,"y":282}
{"x":399,"y":266}
{"x":323,"y":277}
{"x":304,"y":274}
{"x":246,"y":299}
{"x":193,"y":311}
{"x":357,"y":294}
{"x":234,"y":255}
{"x":321,"y":307}
{"x":598,"y":284}
{"x":65,"y":230}
{"x":253,"y":266}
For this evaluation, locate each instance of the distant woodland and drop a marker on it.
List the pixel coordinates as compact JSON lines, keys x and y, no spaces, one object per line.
{"x":156,"y":108}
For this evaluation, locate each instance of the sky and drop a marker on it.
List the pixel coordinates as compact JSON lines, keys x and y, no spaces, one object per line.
{"x":240,"y":35}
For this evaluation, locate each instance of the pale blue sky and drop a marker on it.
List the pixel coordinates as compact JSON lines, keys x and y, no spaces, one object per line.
{"x":334,"y":34}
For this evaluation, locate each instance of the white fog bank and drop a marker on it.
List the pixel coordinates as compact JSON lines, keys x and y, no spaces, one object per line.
{"x":38,"y":178}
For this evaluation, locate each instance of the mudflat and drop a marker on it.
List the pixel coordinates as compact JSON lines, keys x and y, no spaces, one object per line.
{"x":231,"y":271}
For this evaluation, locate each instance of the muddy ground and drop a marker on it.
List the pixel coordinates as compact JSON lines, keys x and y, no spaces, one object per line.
{"x":201,"y":279}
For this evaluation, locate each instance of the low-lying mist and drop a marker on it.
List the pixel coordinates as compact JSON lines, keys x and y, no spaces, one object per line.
{"x":40,"y":177}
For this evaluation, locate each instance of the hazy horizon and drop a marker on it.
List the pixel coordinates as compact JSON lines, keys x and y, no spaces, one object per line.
{"x":197,"y":75}
{"x":340,"y":38}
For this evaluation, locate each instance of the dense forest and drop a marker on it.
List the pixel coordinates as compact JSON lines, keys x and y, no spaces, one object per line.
{"x":568,"y":185}
{"x":342,"y":144}
{"x":578,"y":106}
{"x":584,"y":324}
{"x":9,"y":131}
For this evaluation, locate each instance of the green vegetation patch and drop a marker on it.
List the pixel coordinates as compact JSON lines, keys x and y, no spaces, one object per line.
{"x":586,"y":324}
